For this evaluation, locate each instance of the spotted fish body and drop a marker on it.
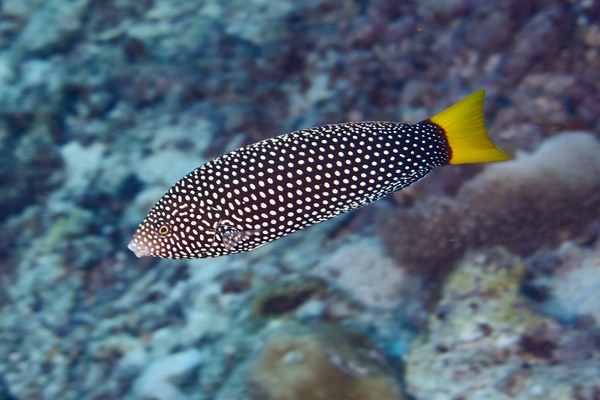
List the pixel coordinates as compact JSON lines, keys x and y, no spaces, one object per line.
{"x":264,"y":191}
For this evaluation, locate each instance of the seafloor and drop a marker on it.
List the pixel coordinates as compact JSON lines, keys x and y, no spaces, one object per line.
{"x":480,"y":282}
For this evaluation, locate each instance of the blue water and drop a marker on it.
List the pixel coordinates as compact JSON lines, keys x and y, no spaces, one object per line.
{"x":482,"y":276}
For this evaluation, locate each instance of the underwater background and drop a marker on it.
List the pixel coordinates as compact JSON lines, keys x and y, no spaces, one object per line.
{"x":480,"y":282}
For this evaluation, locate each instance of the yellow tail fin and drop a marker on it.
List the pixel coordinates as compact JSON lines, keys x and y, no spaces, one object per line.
{"x":465,"y":130}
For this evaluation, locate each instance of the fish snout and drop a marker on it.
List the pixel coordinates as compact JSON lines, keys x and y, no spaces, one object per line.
{"x":138,"y":249}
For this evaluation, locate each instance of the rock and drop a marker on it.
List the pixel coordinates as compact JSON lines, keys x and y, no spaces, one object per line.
{"x":486,"y":342}
{"x":54,"y":26}
{"x":320,"y":363}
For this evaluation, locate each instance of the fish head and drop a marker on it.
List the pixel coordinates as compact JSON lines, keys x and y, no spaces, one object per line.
{"x":175,"y":227}
{"x":151,"y":238}
{"x":185,"y":224}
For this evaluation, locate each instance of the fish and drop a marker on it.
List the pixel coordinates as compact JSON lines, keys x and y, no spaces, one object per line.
{"x":264,"y":191}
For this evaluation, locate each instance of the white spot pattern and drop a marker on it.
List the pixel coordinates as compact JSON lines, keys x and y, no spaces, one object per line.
{"x":258,"y":193}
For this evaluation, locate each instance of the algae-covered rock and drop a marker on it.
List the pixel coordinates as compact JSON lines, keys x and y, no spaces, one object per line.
{"x":285,"y":297}
{"x":320,"y":363}
{"x":487,"y":342}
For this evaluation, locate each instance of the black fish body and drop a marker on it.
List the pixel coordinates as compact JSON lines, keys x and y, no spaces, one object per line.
{"x":264,"y":191}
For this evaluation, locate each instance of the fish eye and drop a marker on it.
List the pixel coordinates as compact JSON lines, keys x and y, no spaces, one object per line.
{"x":162,"y":228}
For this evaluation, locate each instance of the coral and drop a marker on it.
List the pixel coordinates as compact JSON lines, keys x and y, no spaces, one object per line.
{"x":356,"y":262}
{"x":55,"y":28}
{"x":82,"y":165}
{"x":29,"y":163}
{"x":485,"y":341}
{"x":156,"y":381}
{"x":320,"y":363}
{"x":4,"y":392}
{"x":566,"y":283}
{"x":545,"y":35}
{"x":537,"y":200}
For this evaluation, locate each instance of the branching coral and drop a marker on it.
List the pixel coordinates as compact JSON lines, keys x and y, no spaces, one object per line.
{"x":537,"y":200}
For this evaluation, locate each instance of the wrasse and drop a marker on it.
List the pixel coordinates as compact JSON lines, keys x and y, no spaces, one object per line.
{"x":264,"y":191}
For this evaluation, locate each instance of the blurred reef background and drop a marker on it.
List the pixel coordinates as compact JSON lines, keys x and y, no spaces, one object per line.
{"x":480,"y":282}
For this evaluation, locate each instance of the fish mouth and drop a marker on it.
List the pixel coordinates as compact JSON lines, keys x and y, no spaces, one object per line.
{"x":138,"y":250}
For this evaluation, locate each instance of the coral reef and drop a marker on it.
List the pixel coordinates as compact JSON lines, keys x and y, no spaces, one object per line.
{"x":536,"y":200}
{"x":485,"y":341}
{"x":104,"y":104}
{"x":320,"y":363}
